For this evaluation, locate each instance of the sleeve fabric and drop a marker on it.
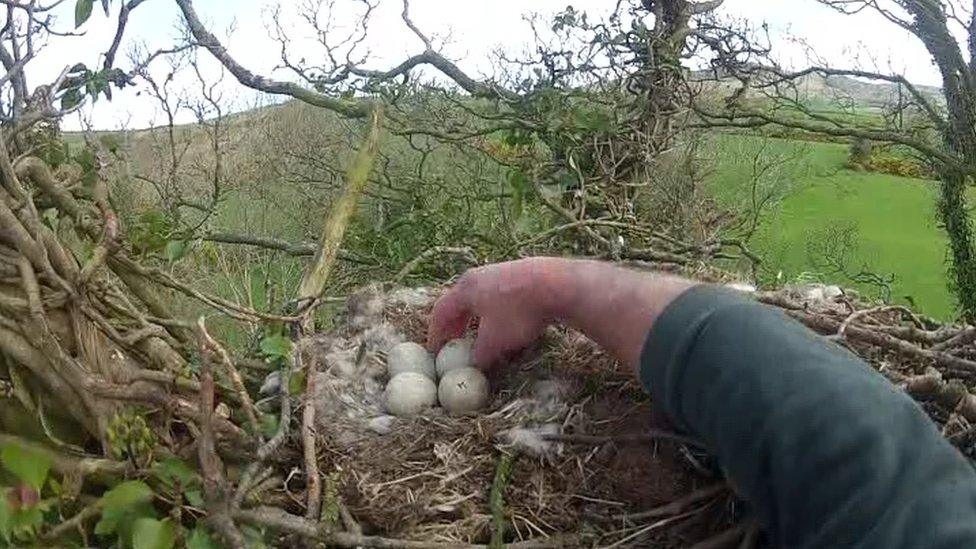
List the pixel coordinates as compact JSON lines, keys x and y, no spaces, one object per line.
{"x":827,"y":451}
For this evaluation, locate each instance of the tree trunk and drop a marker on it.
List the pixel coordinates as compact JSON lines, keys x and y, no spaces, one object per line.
{"x":955,"y":219}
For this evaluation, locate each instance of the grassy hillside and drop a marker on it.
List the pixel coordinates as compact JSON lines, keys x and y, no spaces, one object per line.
{"x":892,"y":219}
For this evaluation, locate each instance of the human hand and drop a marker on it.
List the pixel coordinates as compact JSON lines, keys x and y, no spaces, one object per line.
{"x":513,"y":302}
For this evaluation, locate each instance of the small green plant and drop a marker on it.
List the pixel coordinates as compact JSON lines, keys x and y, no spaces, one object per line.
{"x":130,"y":437}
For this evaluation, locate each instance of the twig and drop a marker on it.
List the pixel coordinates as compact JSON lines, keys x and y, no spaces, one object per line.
{"x":210,"y":468}
{"x":964,"y":337}
{"x":678,"y":505}
{"x":272,"y":445}
{"x":313,"y":490}
{"x":278,"y":519}
{"x":235,"y":377}
{"x":465,"y":252}
{"x":64,"y":463}
{"x":825,"y":324}
{"x":648,"y":528}
{"x":868,"y":312}
{"x":87,"y":513}
{"x":652,"y":435}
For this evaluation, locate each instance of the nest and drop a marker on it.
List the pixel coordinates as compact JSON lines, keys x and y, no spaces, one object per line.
{"x":565,"y":454}
{"x":569,"y":451}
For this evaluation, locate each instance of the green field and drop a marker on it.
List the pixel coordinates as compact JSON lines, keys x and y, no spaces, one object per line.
{"x":892,"y":218}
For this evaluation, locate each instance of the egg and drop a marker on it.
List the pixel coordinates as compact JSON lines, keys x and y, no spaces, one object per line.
{"x":410,"y":357}
{"x":463,"y":390}
{"x":410,"y":393}
{"x":457,"y":353}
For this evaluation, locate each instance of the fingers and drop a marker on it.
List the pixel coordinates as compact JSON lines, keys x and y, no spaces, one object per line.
{"x":449,"y":318}
{"x":498,"y":336}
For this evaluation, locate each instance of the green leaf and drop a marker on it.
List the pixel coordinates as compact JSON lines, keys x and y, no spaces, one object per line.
{"x":127,"y":493}
{"x":200,"y":539}
{"x":194,"y":498}
{"x":296,"y":383}
{"x":269,"y":425}
{"x":176,"y":250}
{"x":26,"y":521}
{"x":173,"y":471}
{"x":70,"y":99}
{"x":149,"y":533}
{"x":120,"y":519}
{"x":83,"y":10}
{"x":276,"y":346}
{"x":29,"y":465}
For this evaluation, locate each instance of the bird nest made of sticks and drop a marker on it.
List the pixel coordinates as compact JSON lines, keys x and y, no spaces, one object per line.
{"x":568,"y":452}
{"x":565,"y":454}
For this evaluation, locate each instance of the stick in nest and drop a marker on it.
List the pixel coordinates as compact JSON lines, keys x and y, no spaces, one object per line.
{"x":649,"y":436}
{"x":213,"y":478}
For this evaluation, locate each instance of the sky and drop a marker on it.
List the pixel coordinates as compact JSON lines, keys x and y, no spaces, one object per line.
{"x":468,"y":31}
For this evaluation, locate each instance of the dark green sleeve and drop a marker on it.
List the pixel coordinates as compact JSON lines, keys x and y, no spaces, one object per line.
{"x":828,"y":452}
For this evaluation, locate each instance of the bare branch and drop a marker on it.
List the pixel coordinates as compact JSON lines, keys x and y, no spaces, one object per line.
{"x":347,"y":107}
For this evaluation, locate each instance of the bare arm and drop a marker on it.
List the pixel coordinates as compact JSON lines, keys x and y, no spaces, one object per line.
{"x":515,"y":301}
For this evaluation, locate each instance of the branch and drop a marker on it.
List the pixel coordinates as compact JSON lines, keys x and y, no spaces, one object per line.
{"x":277,"y":519}
{"x":210,"y":467}
{"x":756,"y":119}
{"x":922,"y":100}
{"x":119,"y":31}
{"x":346,"y":107}
{"x":272,"y":243}
{"x":465,"y":252}
{"x":406,"y":19}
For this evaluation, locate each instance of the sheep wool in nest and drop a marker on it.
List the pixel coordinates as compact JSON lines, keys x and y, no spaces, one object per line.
{"x":457,"y":353}
{"x":410,"y":357}
{"x":410,"y":393}
{"x":463,"y":390}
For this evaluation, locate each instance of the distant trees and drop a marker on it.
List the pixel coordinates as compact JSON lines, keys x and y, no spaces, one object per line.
{"x":579,"y":126}
{"x":944,"y":133}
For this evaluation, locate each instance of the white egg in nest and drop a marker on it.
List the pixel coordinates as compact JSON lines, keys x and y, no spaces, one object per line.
{"x":457,"y":353}
{"x":410,"y":357}
{"x":410,"y":393}
{"x":463,"y":390}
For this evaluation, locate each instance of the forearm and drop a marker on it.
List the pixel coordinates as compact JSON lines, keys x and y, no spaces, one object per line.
{"x":828,"y":452}
{"x":613,"y":306}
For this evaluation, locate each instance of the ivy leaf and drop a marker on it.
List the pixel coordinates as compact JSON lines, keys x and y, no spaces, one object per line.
{"x":27,"y":464}
{"x":83,"y":10}
{"x":173,"y":471}
{"x":276,"y":346}
{"x":70,"y":99}
{"x":149,"y":533}
{"x":128,"y":500}
{"x":200,"y":539}
{"x":127,"y":493}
